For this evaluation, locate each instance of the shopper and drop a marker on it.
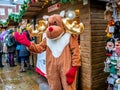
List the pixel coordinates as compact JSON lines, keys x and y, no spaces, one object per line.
{"x":18,"y":47}
{"x":1,"y":52}
{"x":24,"y":55}
{"x":11,"y":47}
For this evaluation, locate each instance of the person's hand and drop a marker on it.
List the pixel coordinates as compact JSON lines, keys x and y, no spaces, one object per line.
{"x":22,"y":38}
{"x":70,"y":75}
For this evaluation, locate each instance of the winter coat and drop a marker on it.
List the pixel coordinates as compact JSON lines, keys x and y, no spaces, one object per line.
{"x":18,"y":46}
{"x":13,"y":47}
{"x":1,"y":48}
{"x":23,"y":51}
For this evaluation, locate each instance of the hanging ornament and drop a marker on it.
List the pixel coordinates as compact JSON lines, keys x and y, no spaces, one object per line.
{"x":106,"y":63}
{"x":110,"y":45}
{"x":117,"y":29}
{"x":110,"y":28}
{"x":108,"y":12}
{"x":113,"y":64}
{"x":85,"y":2}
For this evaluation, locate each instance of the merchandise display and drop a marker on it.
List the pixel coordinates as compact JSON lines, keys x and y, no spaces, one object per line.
{"x":112,"y":62}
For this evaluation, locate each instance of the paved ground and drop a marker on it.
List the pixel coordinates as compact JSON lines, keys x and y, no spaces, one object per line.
{"x":12,"y":79}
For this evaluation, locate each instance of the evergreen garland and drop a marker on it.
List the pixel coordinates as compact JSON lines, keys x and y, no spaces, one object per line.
{"x":16,"y":17}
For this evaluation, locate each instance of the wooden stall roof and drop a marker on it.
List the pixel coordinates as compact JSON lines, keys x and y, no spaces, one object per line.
{"x":34,"y":9}
{"x":104,"y":0}
{"x":12,"y":23}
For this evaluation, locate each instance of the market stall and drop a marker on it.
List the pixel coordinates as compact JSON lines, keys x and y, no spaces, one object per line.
{"x":92,"y":41}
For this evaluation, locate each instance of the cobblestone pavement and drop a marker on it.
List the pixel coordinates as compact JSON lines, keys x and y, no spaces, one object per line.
{"x":12,"y":79}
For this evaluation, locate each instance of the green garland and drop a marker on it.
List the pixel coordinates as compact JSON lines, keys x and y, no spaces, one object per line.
{"x":16,"y":17}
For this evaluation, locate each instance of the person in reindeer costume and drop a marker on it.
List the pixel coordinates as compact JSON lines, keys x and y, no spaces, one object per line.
{"x":62,"y":54}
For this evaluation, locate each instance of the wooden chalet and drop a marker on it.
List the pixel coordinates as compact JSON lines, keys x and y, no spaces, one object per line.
{"x":92,"y":41}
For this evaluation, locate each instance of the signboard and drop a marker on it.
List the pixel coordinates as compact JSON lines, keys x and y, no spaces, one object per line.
{"x":54,"y":7}
{"x":41,"y":64}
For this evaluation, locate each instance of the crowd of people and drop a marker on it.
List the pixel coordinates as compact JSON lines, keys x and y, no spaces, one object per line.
{"x":14,"y":53}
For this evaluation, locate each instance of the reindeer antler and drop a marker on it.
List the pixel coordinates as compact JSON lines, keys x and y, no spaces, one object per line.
{"x":40,"y":28}
{"x":74,"y":27}
{"x":42,"y":25}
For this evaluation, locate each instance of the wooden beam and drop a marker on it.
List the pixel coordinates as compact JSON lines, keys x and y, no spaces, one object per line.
{"x":36,"y":4}
{"x":12,"y":23}
{"x":29,"y":15}
{"x":104,"y":0}
{"x":33,"y":9}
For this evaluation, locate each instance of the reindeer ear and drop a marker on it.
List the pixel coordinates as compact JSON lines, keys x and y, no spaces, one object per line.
{"x":45,"y":17}
{"x":62,"y":13}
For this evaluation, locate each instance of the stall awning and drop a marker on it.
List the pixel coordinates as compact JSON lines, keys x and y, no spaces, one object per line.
{"x":35,"y":8}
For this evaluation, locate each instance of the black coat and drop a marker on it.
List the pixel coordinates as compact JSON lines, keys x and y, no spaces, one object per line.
{"x":23,"y":51}
{"x":1,"y":48}
{"x":13,"y":47}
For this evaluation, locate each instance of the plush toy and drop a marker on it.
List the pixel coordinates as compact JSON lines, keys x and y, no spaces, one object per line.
{"x":110,"y":81}
{"x":107,"y":63}
{"x":117,"y":47}
{"x":118,"y":8}
{"x":108,"y":12}
{"x":62,"y":54}
{"x":117,"y":29}
{"x":112,"y":66}
{"x":110,"y":46}
{"x":118,"y":67}
{"x":110,"y":28}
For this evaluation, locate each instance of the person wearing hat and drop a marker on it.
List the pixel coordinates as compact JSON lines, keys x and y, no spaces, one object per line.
{"x":110,"y":47}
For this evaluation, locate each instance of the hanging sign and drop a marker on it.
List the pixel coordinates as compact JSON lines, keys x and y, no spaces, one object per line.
{"x":54,"y":7}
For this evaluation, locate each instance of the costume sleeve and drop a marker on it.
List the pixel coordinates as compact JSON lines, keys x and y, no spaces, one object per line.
{"x":75,"y":51}
{"x":38,"y":48}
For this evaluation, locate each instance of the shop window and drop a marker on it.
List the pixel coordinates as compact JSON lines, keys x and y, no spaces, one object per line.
{"x":19,"y":7}
{"x":2,"y":11}
{"x":10,"y":10}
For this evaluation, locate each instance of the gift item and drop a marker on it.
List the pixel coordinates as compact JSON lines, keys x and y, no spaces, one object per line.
{"x":112,"y":65}
{"x":112,"y":62}
{"x":117,"y":46}
{"x":117,"y":29}
{"x":107,"y":63}
{"x":110,"y":46}
{"x":108,"y":12}
{"x":110,"y":28}
{"x":118,"y":67}
{"x":111,"y":80}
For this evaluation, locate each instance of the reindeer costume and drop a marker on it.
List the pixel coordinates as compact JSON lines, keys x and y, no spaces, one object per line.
{"x":62,"y":54}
